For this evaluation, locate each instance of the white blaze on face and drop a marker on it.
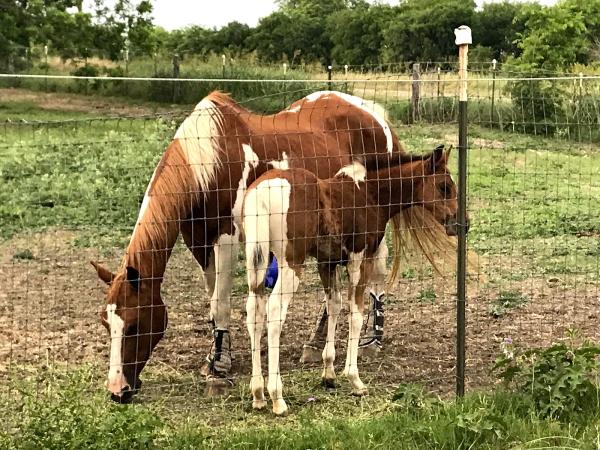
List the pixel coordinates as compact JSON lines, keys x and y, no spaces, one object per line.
{"x":116,"y":326}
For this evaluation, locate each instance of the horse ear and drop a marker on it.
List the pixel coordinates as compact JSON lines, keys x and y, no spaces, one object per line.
{"x":438,"y":158}
{"x":448,"y":152}
{"x":133,"y":276}
{"x":103,"y":273}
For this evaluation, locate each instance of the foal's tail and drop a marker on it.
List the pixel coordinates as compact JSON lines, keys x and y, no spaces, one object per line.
{"x":256,"y":230}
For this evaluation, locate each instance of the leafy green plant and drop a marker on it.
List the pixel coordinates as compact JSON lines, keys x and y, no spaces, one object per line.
{"x":507,"y":301}
{"x":559,"y":380}
{"x":427,"y":295}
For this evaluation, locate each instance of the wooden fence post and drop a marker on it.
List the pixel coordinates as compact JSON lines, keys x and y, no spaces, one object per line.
{"x":175,"y":75}
{"x":416,"y":92}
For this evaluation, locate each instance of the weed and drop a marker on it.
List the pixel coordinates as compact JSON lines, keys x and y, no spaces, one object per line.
{"x":559,"y":379}
{"x":427,"y":295}
{"x":506,"y":302}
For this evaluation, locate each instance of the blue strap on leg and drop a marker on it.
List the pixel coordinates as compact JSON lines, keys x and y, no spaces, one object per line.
{"x":272,"y":272}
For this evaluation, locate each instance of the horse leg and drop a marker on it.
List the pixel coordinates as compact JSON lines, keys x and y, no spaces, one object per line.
{"x":225,"y":252}
{"x":333,"y":297}
{"x":371,"y":341}
{"x":255,"y":319}
{"x":358,"y":271}
{"x":277,"y":306}
{"x":311,"y":351}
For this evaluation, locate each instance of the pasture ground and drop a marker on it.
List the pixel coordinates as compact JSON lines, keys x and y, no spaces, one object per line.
{"x":73,"y":173}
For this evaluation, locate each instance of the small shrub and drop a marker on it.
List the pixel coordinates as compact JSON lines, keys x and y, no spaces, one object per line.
{"x":427,"y":295}
{"x":507,"y":301}
{"x":559,"y":380}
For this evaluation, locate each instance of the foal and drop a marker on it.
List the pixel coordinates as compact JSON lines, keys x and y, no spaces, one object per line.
{"x":339,"y":221}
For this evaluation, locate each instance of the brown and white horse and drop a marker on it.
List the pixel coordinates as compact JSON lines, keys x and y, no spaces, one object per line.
{"x":339,"y":221}
{"x":198,"y":188}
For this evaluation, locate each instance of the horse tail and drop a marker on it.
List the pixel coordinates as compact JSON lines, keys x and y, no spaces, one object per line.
{"x":256,"y":230}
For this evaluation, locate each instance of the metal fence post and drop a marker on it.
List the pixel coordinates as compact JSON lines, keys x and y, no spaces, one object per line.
{"x":329,"y":76}
{"x":463,"y":39}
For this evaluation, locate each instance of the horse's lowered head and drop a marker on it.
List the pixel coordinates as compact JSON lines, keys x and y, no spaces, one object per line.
{"x":436,"y":191}
{"x":136,"y":318}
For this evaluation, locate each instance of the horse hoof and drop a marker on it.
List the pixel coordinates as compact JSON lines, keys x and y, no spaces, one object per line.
{"x":328,"y":383}
{"x":258,"y":404}
{"x":311,"y":355}
{"x":361,"y":392}
{"x":216,"y":386}
{"x":205,"y":370}
{"x":280,"y":408}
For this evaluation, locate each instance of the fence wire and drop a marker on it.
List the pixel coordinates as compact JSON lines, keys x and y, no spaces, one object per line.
{"x":75,"y":170}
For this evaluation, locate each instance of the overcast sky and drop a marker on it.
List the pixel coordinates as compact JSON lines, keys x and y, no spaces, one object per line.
{"x":172,"y":14}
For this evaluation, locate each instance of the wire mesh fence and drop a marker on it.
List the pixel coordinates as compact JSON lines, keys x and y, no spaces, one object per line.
{"x":75,"y":170}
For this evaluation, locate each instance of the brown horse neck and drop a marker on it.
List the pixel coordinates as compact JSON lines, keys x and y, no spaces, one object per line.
{"x":392,"y":188}
{"x":169,"y":198}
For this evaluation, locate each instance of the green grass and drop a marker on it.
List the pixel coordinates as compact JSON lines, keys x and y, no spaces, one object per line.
{"x":59,"y":409}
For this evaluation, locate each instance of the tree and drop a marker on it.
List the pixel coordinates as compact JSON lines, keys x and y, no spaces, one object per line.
{"x":495,"y":27}
{"x":357,"y":34}
{"x":423,"y":29}
{"x":231,"y":38}
{"x":554,"y":38}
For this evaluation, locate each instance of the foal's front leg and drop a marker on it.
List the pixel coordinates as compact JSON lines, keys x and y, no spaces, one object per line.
{"x":359,"y":270}
{"x":277,"y":306}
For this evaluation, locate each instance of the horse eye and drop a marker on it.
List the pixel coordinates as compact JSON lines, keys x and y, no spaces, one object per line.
{"x":445,"y":189}
{"x":131,"y":330}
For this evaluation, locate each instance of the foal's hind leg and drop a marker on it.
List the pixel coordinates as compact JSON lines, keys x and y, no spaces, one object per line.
{"x":255,"y":319}
{"x":331,"y":284}
{"x":277,"y":306}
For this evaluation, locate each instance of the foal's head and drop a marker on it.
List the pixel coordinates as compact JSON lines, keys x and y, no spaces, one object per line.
{"x":135,"y":317}
{"x":435,"y":190}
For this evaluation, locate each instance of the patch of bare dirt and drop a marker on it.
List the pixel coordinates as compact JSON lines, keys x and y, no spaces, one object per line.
{"x":49,"y":314}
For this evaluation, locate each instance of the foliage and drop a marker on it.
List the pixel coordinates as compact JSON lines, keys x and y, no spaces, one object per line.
{"x":357,"y":34}
{"x":423,"y":29}
{"x":507,"y":301}
{"x":559,"y":380}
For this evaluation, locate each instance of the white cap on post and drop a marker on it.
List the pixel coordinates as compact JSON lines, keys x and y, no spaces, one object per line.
{"x":463,"y":35}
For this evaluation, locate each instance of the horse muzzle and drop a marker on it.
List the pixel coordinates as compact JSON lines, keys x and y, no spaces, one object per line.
{"x":451,"y":226}
{"x":127,"y":393}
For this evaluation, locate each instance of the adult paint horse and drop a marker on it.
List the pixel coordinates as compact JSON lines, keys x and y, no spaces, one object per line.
{"x":198,"y":188}
{"x":341,"y":220}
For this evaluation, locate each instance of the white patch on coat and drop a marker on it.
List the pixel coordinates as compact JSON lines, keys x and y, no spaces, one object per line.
{"x":197,"y":136}
{"x":250,"y":162}
{"x":375,"y":110}
{"x":116,"y":379}
{"x":281,"y":165}
{"x":265,"y":224}
{"x":356,"y":171}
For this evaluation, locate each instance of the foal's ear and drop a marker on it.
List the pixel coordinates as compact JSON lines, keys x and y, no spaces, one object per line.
{"x":438,"y":158}
{"x":133,"y":276}
{"x":103,"y":273}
